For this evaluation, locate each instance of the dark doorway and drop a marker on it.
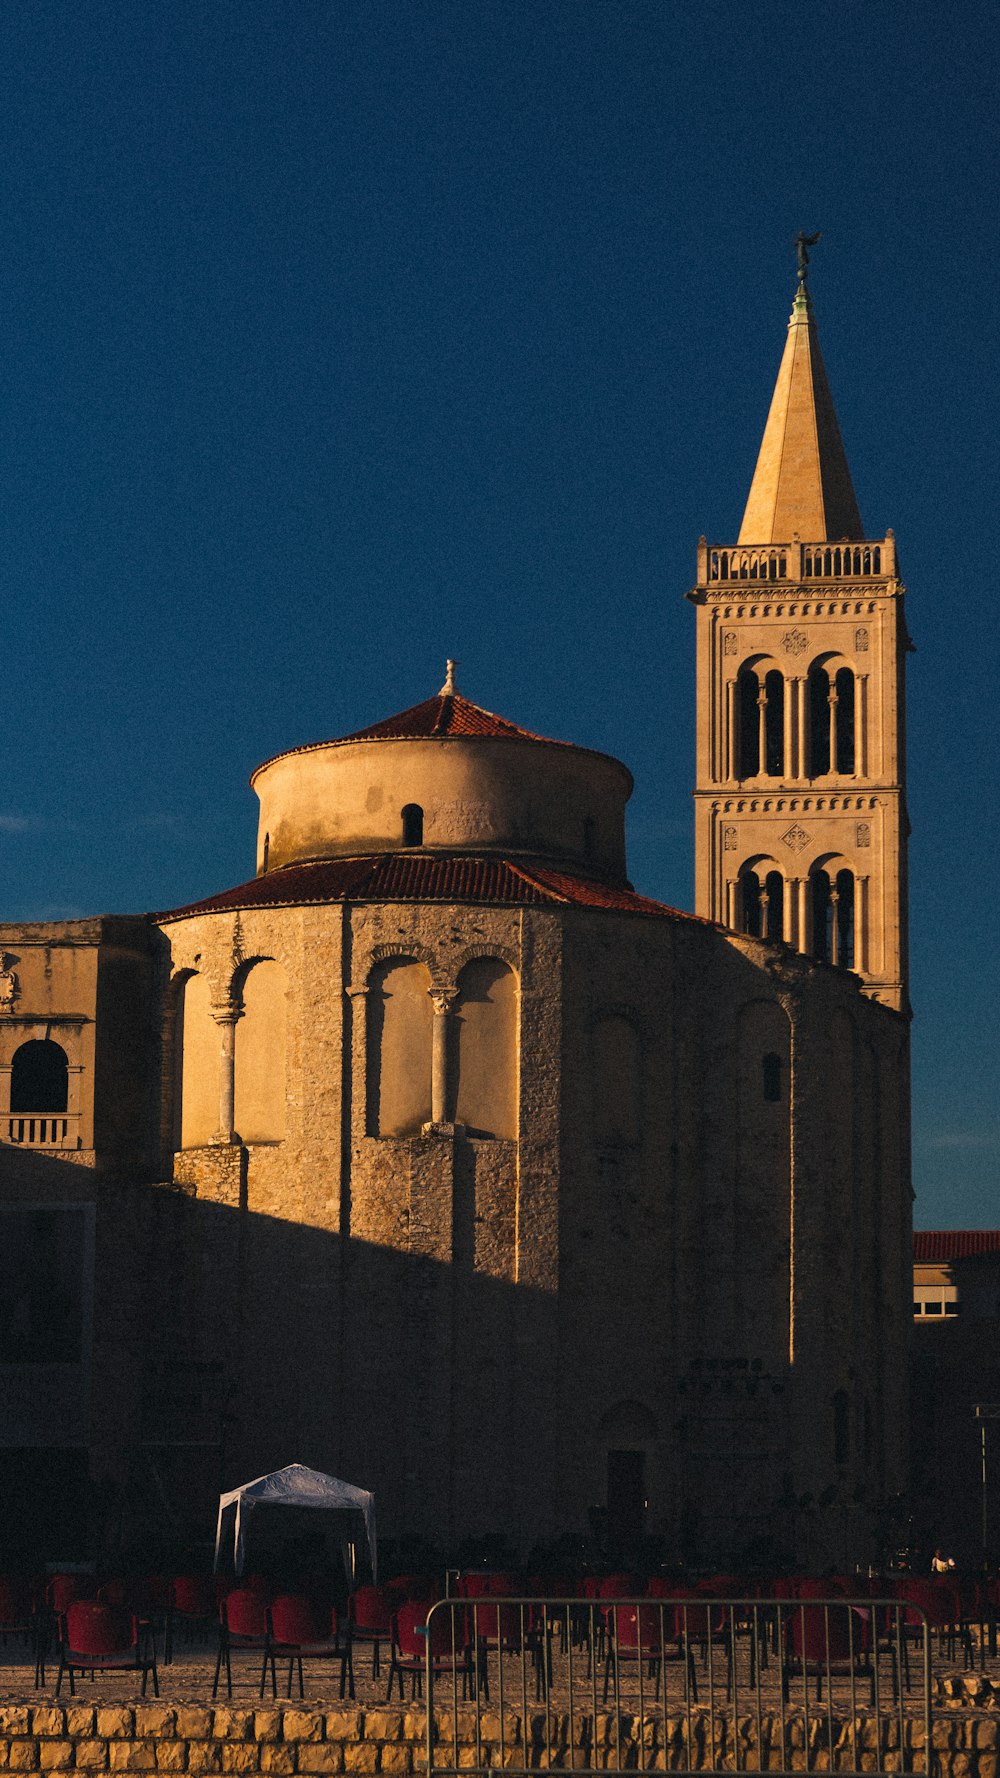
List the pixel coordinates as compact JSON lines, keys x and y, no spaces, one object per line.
{"x":626,"y":1495}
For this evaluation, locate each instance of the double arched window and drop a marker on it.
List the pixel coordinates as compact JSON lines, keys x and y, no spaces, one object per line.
{"x":831,"y":721}
{"x":762,"y":897}
{"x":760,"y":722}
{"x":833,"y":917}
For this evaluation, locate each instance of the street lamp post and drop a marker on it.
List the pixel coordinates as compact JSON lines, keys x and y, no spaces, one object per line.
{"x":985,"y":1411}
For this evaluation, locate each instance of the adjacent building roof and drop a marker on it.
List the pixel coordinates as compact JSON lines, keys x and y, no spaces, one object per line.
{"x":931,"y":1246}
{"x":802,"y":485}
{"x":394,"y":876}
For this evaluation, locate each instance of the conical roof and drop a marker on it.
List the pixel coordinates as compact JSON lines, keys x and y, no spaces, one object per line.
{"x":446,"y":714}
{"x":801,"y":486}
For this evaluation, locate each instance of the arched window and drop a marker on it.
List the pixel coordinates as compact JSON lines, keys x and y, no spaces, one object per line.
{"x":484,"y":1054}
{"x":761,"y":723}
{"x":39,"y":1077}
{"x":413,"y":825}
{"x":259,"y":1106}
{"x":763,"y":902}
{"x":400,"y":1015}
{"x":833,"y":918}
{"x":831,"y":721}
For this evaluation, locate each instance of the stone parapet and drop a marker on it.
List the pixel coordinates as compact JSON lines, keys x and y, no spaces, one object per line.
{"x":155,"y":1737}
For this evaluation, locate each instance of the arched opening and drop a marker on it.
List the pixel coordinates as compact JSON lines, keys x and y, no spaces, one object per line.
{"x":833,"y":918}
{"x":484,"y":1055}
{"x":259,"y":1105}
{"x":413,"y":825}
{"x":831,"y":721}
{"x":763,"y":904}
{"x":761,"y":723}
{"x":39,"y":1077}
{"x":399,"y":1048}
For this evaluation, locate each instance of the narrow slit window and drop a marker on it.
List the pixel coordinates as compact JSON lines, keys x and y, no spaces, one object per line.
{"x":413,"y":825}
{"x":772,"y":1078}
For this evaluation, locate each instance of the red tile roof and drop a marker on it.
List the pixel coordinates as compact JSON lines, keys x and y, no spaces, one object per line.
{"x":931,"y":1246}
{"x":394,"y":876}
{"x":446,"y":714}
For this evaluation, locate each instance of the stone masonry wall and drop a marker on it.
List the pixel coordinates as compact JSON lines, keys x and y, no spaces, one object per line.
{"x":158,"y":1737}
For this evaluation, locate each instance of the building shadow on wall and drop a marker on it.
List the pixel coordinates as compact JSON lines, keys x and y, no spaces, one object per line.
{"x":156,"y":1347}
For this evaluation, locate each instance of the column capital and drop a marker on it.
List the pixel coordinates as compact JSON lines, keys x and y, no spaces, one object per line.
{"x":357,"y":993}
{"x":226,"y":1012}
{"x":442,"y":999}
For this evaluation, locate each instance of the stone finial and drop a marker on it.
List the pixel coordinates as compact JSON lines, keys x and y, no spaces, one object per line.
{"x":449,"y":688}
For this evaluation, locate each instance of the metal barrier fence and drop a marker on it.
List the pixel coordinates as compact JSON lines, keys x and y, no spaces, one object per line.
{"x":679,"y":1685}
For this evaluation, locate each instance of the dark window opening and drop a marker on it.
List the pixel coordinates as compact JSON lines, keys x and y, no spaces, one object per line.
{"x":752,"y":910}
{"x":413,"y":825}
{"x":267,"y":849}
{"x":774,"y":912}
{"x":772,"y":1077}
{"x":774,"y":725}
{"x":763,"y":904}
{"x":626,"y":1495}
{"x":833,"y":918}
{"x":819,"y":722}
{"x":39,"y":1077}
{"x":844,"y":719}
{"x":748,"y":691}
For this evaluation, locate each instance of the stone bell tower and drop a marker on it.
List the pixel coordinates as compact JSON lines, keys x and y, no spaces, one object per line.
{"x":800,"y":800}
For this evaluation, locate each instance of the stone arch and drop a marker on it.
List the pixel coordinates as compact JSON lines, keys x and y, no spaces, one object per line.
{"x":762,"y":898}
{"x":616,"y":1055}
{"x":196,"y":1064}
{"x":484,"y":1083}
{"x":398,"y":1046}
{"x":760,"y":718}
{"x":260,"y":1042}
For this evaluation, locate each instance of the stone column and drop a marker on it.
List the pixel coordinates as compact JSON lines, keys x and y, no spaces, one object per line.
{"x":761,"y":729}
{"x":730,"y":767}
{"x":833,"y":725}
{"x":861,"y":925}
{"x":731,"y":903}
{"x":802,"y":763}
{"x":791,"y":709}
{"x":441,"y":999}
{"x":861,"y":726}
{"x":802,"y":936}
{"x":791,"y":910}
{"x":226,"y":1017}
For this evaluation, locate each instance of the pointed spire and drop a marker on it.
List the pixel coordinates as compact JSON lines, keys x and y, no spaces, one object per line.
{"x":449,"y":688}
{"x":801,"y":486}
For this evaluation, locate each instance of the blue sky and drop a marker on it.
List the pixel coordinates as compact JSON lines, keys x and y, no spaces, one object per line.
{"x":343,"y":335}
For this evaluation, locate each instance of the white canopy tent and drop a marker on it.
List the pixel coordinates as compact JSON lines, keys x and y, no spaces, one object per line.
{"x":295,"y":1486}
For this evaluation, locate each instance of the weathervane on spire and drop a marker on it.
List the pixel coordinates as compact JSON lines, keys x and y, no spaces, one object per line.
{"x":449,"y":687}
{"x":803,"y":242}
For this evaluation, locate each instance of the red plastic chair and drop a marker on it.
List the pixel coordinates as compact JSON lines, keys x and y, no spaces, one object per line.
{"x":832,"y":1639}
{"x":95,"y":1637}
{"x":650,"y":1635}
{"x":299,"y":1627}
{"x":369,"y":1619}
{"x":413,"y":1586}
{"x":192,"y":1603}
{"x":243,"y":1624}
{"x":63,"y":1589}
{"x":450,"y":1647}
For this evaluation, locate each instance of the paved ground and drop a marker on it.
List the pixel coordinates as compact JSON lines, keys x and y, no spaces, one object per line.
{"x":188,"y":1679}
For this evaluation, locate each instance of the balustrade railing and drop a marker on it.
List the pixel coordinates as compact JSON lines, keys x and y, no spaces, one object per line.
{"x":798,"y":561}
{"x":42,"y":1129}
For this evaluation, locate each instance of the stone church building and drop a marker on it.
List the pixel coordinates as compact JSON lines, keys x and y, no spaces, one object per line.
{"x":436,"y":1156}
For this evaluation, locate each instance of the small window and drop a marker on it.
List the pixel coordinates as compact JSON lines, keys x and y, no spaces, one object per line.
{"x":413,"y":825}
{"x":267,"y":850}
{"x":772,"y":1077}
